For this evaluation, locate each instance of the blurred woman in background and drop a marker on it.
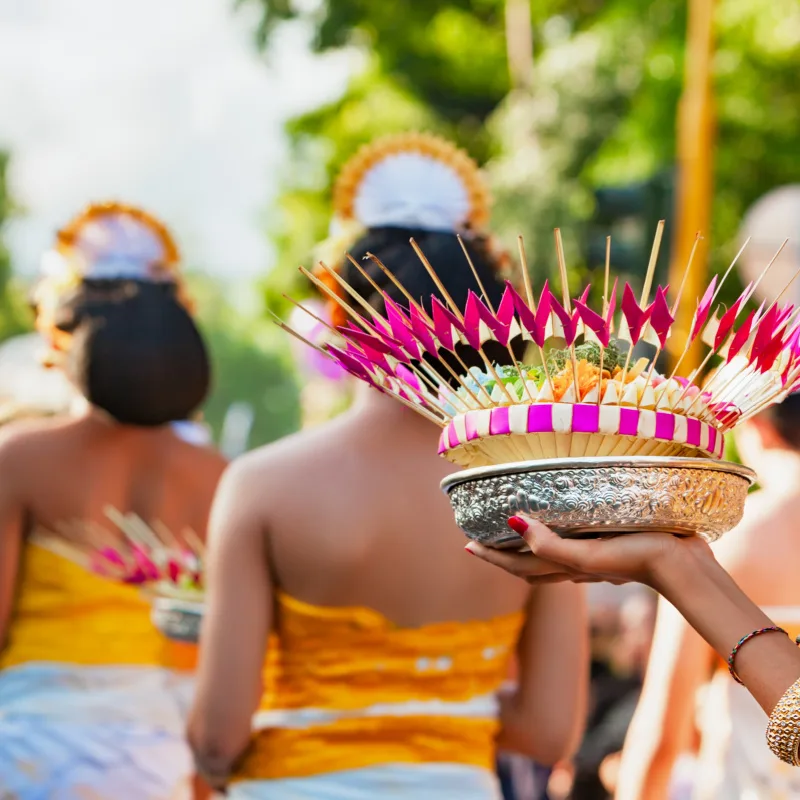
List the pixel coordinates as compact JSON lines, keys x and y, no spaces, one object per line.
{"x":388,"y":646}
{"x":762,"y":556}
{"x":92,"y":698}
{"x":708,"y":615}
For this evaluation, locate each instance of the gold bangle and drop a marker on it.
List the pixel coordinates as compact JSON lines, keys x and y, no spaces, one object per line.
{"x":783,"y":731}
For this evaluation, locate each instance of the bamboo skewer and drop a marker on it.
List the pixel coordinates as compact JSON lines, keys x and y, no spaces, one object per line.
{"x":758,"y":408}
{"x":360,"y":320}
{"x":673,"y":311}
{"x":645,"y":296}
{"x":526,"y":282}
{"x":434,"y":384}
{"x":651,"y":266}
{"x":698,"y":371}
{"x":462,"y":383}
{"x":755,"y":327}
{"x":522,"y":377}
{"x":354,"y":315}
{"x":526,"y":276}
{"x":606,"y":280}
{"x":719,"y":394}
{"x":421,"y":310}
{"x":562,"y":268}
{"x":359,"y":299}
{"x":455,"y":309}
{"x":363,"y":323}
{"x":686,"y":272}
{"x":441,"y":399}
{"x":87,"y":544}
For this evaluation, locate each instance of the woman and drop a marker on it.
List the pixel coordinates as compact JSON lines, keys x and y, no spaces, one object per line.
{"x":387,"y":648}
{"x":91,"y":697}
{"x":686,"y":573}
{"x":733,"y":760}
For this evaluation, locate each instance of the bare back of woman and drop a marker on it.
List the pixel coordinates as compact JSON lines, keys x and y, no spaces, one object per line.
{"x":336,"y":553}
{"x":91,"y":463}
{"x":362,"y":496}
{"x":92,"y":697}
{"x":341,"y":544}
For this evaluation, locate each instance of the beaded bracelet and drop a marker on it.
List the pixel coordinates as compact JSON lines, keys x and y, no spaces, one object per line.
{"x":738,"y":646}
{"x":783,"y":731}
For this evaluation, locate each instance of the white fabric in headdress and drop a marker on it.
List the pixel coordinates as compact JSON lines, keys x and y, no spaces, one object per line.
{"x":112,"y":246}
{"x":412,"y":190}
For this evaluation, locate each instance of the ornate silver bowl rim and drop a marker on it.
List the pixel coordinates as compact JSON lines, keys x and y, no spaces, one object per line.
{"x":592,"y":495}
{"x":599,"y":462}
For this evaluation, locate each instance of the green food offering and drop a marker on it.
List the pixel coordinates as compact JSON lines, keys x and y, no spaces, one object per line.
{"x":590,"y":351}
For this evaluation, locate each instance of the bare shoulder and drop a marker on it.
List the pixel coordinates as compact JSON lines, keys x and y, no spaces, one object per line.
{"x":201,"y":457}
{"x":286,"y":470}
{"x":745,"y":545}
{"x":304,"y":451}
{"x":246,"y":494}
{"x":31,"y":435}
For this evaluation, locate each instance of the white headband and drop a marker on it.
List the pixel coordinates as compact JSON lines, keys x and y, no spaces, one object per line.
{"x":412,"y":190}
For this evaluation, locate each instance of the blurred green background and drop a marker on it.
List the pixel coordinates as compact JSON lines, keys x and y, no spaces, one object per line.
{"x":595,"y":107}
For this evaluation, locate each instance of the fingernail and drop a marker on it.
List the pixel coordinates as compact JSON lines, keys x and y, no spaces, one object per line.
{"x":518,"y":525}
{"x":469,"y":549}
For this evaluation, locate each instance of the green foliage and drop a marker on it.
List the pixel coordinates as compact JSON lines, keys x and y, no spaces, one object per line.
{"x":758,"y":107}
{"x":320,"y":143}
{"x":603,"y":109}
{"x":584,"y":84}
{"x":448,"y":53}
{"x":437,"y":66}
{"x":250,"y":365}
{"x":15,"y":317}
{"x":590,"y":351}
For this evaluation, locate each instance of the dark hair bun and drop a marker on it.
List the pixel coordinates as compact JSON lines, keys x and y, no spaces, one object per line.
{"x":136,"y":352}
{"x":785,"y":418}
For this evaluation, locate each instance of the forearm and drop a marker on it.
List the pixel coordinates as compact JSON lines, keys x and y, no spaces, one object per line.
{"x":217,"y":735}
{"x":200,"y":789}
{"x":212,"y":766}
{"x":722,"y":614}
{"x":235,"y":629}
{"x":544,"y":716}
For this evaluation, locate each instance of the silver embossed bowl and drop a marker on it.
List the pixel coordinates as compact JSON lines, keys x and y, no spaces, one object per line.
{"x":178,"y":620}
{"x":593,"y":497}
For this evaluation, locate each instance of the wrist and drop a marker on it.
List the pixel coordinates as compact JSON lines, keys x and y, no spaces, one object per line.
{"x":680,"y":567}
{"x":217,"y":780}
{"x":689,"y":577}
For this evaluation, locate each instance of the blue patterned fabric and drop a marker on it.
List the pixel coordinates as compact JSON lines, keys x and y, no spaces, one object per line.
{"x":387,"y":782}
{"x":93,"y":733}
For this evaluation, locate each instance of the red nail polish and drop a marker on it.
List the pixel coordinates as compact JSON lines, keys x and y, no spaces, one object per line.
{"x":517,"y":524}
{"x":468,"y":550}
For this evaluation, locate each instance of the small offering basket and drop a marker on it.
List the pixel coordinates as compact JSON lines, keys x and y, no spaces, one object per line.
{"x":179,"y":620}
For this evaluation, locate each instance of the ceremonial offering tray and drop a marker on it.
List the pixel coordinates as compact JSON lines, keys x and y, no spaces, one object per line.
{"x":178,"y":620}
{"x":593,"y":497}
{"x":597,"y":413}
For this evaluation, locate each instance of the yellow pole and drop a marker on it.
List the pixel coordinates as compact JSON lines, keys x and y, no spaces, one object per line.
{"x":695,"y":140}
{"x":519,"y":43}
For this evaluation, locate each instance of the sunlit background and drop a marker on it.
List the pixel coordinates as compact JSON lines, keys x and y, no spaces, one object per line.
{"x":229,"y":120}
